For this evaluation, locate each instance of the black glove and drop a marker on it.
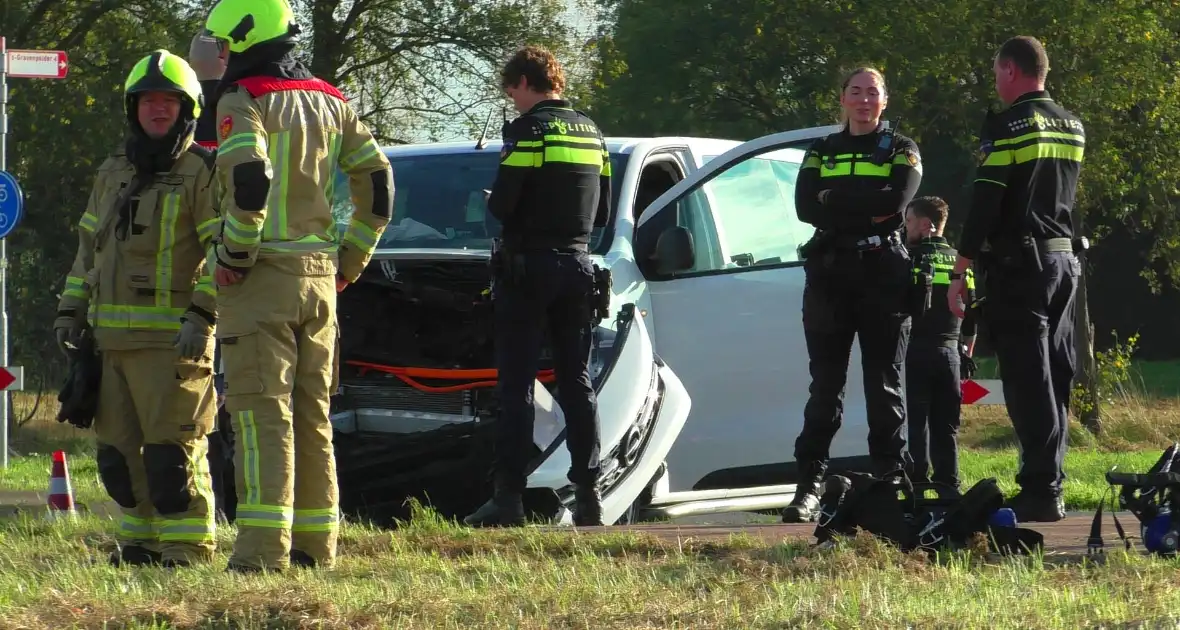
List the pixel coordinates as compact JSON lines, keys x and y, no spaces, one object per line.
{"x":967,"y":366}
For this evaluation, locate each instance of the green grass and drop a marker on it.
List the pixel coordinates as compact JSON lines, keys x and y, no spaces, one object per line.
{"x":1156,"y":379}
{"x":430,"y":574}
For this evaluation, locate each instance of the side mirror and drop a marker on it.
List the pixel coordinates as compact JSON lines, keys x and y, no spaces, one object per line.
{"x":674,"y":250}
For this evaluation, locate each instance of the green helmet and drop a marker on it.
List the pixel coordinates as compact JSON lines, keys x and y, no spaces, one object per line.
{"x":247,"y":23}
{"x":162,"y":71}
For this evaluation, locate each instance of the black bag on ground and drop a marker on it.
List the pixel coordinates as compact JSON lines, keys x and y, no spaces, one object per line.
{"x":901,"y":512}
{"x":79,"y":393}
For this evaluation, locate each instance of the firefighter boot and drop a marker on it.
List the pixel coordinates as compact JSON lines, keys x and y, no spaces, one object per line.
{"x":805,"y":505}
{"x":506,"y":508}
{"x":587,"y":506}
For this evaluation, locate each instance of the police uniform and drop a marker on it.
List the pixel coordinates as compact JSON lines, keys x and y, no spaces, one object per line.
{"x":858,"y":274}
{"x":141,"y":279}
{"x":552,"y":188}
{"x":933,"y":386}
{"x":281,"y":134}
{"x":1020,"y":232}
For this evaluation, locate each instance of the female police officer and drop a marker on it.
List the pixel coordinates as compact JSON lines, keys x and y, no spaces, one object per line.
{"x":853,"y":187}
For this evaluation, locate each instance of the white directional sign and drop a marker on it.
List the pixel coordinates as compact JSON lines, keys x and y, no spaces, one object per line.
{"x":38,"y":64}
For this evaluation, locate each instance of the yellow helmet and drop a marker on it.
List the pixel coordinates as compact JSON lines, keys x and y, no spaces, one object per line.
{"x":162,"y":71}
{"x":247,"y":23}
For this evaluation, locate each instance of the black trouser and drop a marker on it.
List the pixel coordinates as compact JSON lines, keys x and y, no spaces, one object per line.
{"x":933,"y":395}
{"x":858,"y":294}
{"x":1030,"y":316}
{"x":221,"y":467}
{"x":556,"y":289}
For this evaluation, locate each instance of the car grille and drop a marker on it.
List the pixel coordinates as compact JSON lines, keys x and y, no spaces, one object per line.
{"x":402,"y":397}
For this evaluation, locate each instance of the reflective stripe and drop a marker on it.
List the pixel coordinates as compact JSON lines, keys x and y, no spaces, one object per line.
{"x":333,"y":159}
{"x":122,"y":316}
{"x":275,"y":224}
{"x":316,"y":520}
{"x":76,"y":287}
{"x":241,"y":233}
{"x":88,"y":222}
{"x":524,"y":157}
{"x":310,"y":243}
{"x":164,"y":252}
{"x":867,"y":169}
{"x":207,"y":230}
{"x":196,"y":530}
{"x":138,"y":528}
{"x":259,"y":515}
{"x":357,"y":157}
{"x":361,"y":235}
{"x":249,"y":435}
{"x":237,"y":141}
{"x":585,"y":157}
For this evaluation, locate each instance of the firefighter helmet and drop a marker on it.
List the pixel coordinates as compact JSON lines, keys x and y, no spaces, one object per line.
{"x":244,"y":24}
{"x":162,"y":71}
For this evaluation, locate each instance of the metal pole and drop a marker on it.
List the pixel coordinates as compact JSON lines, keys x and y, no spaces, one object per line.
{"x":3,"y":254}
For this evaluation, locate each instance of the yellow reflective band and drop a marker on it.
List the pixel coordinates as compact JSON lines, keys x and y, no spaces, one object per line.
{"x":606,"y":166}
{"x":137,"y":528}
{"x":245,"y":140}
{"x":1048,"y":150}
{"x":197,"y":530}
{"x":275,"y":224}
{"x":250,"y":469}
{"x":1041,"y":135}
{"x":76,"y":287}
{"x":241,"y":233}
{"x":334,"y":140}
{"x":267,"y":516}
{"x":145,"y":317}
{"x":549,"y":138}
{"x":359,"y":156}
{"x":310,"y":243}
{"x":865,"y":169}
{"x":361,"y":235}
{"x":530,"y":144}
{"x":315,"y":520}
{"x":584,"y":157}
{"x":812,"y":161}
{"x":528,"y":158}
{"x":164,"y":252}
{"x":88,"y":222}
{"x":208,"y":229}
{"x":205,"y":285}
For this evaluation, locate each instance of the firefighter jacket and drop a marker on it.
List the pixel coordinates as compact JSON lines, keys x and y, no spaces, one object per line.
{"x":280,"y":141}
{"x":142,"y":263}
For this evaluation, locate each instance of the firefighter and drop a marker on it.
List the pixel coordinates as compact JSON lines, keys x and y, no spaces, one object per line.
{"x":141,"y":274}
{"x":282,"y":133}
{"x":853,"y":187}
{"x":552,"y":188}
{"x":1021,"y":233}
{"x":933,"y":387}
{"x":208,"y":59}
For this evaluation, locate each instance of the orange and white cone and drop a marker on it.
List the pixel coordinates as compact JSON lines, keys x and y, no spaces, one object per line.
{"x":61,"y":493}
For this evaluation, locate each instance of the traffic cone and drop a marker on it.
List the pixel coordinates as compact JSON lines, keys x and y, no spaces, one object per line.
{"x":61,"y":493}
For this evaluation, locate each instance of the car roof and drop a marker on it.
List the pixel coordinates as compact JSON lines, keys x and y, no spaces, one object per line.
{"x":613,"y":144}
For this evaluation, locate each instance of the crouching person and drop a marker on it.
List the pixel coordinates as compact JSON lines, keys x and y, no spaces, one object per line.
{"x":141,"y":281}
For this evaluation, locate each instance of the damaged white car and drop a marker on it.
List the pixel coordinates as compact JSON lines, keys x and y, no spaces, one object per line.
{"x":701,"y":377}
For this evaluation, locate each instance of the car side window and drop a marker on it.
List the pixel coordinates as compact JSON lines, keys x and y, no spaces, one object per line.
{"x":690,"y":214}
{"x":755,"y":204}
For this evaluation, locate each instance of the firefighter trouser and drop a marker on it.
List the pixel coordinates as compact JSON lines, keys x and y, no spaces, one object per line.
{"x":155,"y":410}
{"x":849,"y":294}
{"x":934,"y":397}
{"x":555,"y":289}
{"x":1030,"y":318}
{"x":277,"y":331}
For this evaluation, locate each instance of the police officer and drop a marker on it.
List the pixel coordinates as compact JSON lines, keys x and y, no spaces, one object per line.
{"x":932,"y":376}
{"x":552,"y":188}
{"x":141,"y":272}
{"x":853,"y":186}
{"x":282,"y":133}
{"x":208,"y":62}
{"x":1020,"y":231}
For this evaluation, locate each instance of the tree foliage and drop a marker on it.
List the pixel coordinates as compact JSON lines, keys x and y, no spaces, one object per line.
{"x":744,"y":68}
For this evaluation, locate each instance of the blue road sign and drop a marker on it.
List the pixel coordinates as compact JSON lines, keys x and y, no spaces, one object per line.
{"x":12,"y":203}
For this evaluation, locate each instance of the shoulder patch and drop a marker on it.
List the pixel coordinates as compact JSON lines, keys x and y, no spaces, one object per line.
{"x":509,"y":145}
{"x":985,"y":149}
{"x":226,"y":126}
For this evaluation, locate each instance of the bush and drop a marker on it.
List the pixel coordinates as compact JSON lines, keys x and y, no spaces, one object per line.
{"x":1112,"y":378}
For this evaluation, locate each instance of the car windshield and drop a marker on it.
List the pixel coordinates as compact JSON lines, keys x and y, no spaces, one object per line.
{"x":439,"y":201}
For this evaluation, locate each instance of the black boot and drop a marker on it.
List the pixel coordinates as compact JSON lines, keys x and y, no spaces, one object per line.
{"x":805,"y":505}
{"x":302,"y":559}
{"x":1038,"y":507}
{"x":134,"y":555}
{"x":587,"y":506}
{"x":506,"y":509}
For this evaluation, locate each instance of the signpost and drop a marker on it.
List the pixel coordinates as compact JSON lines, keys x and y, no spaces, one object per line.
{"x":34,"y":64}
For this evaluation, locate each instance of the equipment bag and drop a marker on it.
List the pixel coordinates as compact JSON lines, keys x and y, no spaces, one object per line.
{"x":899,"y":511}
{"x":1154,"y":499}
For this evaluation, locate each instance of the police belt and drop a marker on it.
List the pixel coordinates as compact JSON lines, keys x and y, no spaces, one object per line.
{"x":866,"y":243}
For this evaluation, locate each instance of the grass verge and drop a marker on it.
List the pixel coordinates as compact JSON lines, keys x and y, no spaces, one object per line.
{"x":53,"y":576}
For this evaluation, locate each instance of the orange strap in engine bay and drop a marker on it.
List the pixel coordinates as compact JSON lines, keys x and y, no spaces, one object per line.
{"x":408,"y":374}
